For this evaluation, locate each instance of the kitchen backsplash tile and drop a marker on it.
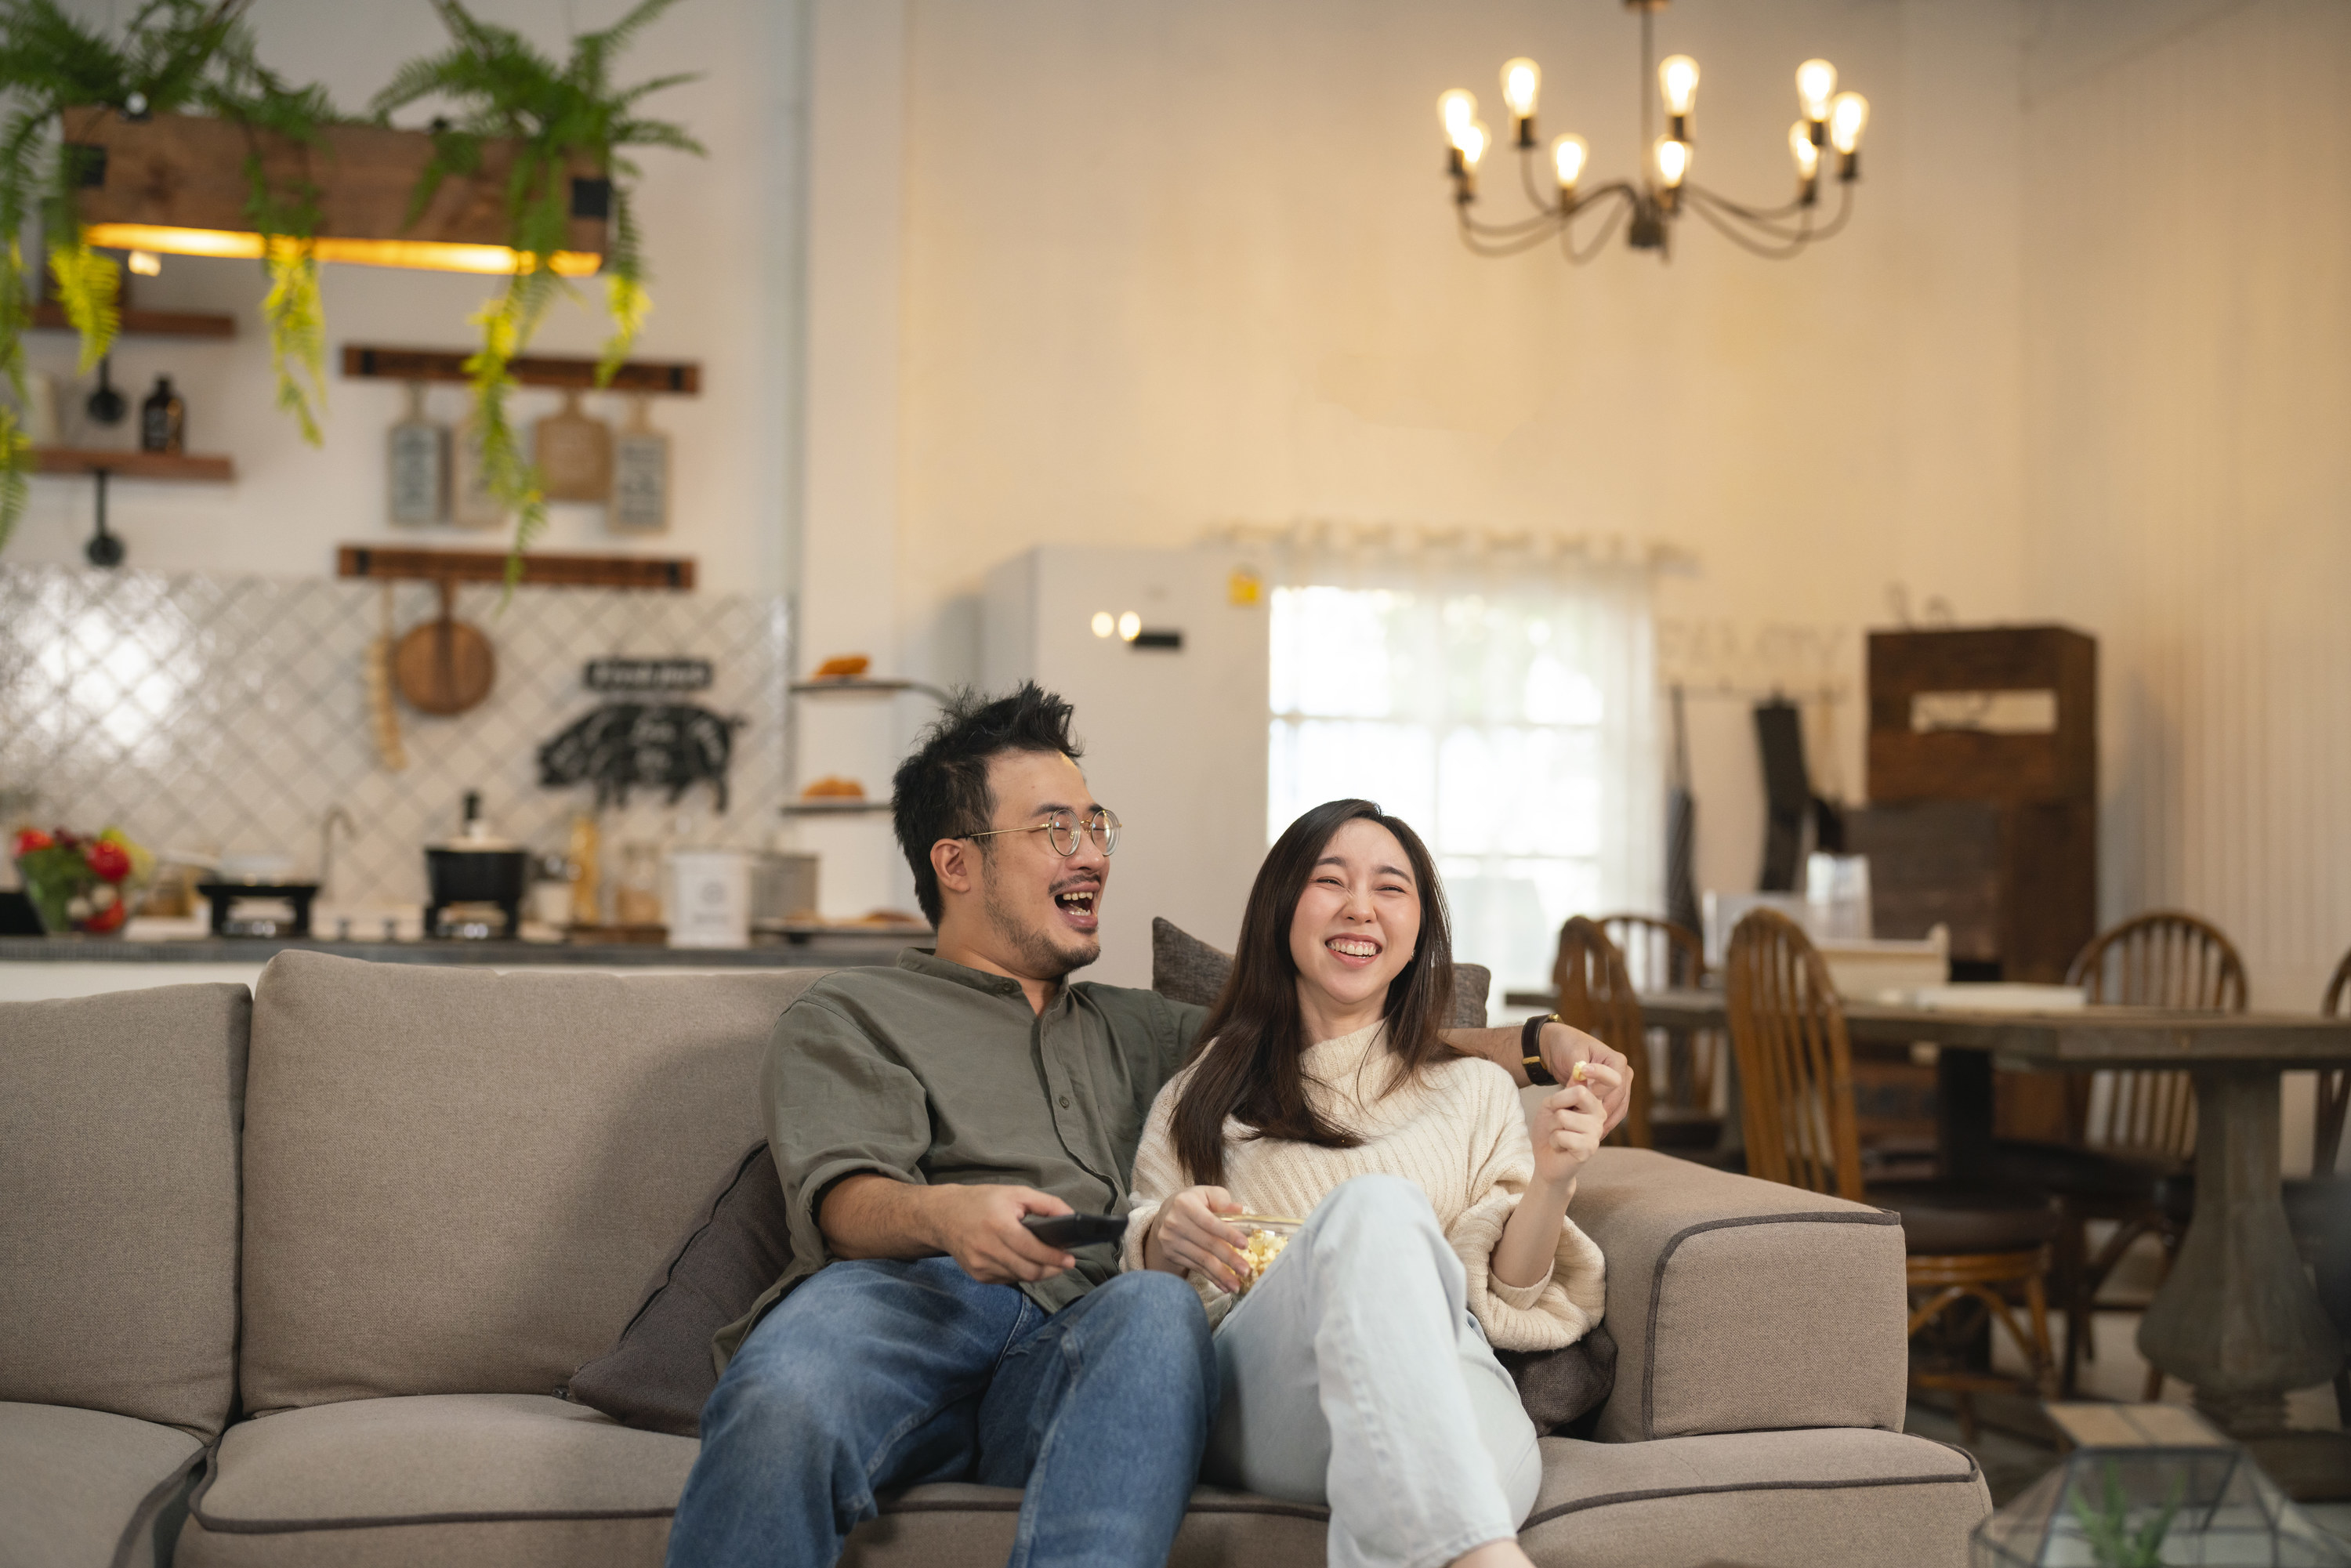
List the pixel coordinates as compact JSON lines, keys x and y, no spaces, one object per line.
{"x":228,"y":715}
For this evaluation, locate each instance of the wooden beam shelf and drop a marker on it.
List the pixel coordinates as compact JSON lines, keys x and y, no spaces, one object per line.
{"x":490,"y":566}
{"x":137,"y":323}
{"x":134,"y":465}
{"x":366,"y":361}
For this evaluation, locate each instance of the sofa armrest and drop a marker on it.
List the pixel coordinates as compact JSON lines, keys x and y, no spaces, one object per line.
{"x":1739,"y":1305}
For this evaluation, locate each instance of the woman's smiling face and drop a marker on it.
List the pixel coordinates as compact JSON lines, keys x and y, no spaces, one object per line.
{"x":1356,"y":925}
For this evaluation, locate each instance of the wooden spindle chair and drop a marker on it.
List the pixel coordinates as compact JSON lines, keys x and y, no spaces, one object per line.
{"x":1684,"y":1063}
{"x":2135,"y":1128}
{"x":1795,"y":1066}
{"x":1596,"y":996}
{"x":2316,"y":1206}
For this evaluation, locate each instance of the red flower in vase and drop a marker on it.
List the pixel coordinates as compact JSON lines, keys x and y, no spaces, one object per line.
{"x":33,"y":839}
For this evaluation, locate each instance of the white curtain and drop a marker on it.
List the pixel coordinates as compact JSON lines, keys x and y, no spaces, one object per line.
{"x":1500,"y":697}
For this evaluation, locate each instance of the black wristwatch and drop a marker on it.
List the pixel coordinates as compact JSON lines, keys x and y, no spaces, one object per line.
{"x":1530,"y":1047}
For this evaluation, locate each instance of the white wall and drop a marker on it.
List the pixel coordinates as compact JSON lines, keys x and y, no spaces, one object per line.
{"x":2188,"y":396}
{"x":2188,"y":314}
{"x":723,"y":241}
{"x":1162,"y":267}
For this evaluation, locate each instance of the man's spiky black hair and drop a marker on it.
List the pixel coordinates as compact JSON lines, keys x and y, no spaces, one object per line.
{"x":941,"y":791}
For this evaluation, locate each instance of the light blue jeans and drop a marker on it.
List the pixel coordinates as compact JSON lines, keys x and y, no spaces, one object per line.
{"x":878,"y":1374}
{"x":1354,"y":1373}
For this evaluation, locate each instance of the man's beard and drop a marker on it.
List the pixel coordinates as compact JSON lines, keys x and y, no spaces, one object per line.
{"x":1044,"y":958}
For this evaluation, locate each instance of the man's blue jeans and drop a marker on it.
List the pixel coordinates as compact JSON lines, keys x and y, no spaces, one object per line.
{"x":878,"y":1375}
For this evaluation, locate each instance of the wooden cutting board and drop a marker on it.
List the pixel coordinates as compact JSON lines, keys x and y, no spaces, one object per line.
{"x":445,"y":666}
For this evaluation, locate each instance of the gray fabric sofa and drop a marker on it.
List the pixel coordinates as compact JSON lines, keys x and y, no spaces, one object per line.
{"x":297,"y":1279}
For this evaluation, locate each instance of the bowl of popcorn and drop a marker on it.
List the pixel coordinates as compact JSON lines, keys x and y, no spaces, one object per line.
{"x":1264,"y":1234}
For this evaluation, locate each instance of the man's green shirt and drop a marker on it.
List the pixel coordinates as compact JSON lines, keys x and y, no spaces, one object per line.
{"x":930,"y":1072}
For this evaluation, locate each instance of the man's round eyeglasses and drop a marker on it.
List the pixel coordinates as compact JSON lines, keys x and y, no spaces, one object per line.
{"x":1062,"y":831}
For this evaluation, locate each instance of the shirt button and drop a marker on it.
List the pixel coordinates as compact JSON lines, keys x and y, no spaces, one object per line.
{"x":1065,"y":1102}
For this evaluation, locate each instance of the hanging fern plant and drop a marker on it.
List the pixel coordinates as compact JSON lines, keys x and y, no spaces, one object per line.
{"x":174,"y":55}
{"x":559,"y":117}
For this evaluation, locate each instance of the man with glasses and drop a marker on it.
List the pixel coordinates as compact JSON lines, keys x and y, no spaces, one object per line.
{"x":918,"y":1115}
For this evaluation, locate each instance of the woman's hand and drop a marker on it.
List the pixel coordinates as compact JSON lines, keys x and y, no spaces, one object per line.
{"x":1188,"y":1237}
{"x":1566,"y":1130}
{"x":1609,"y":1072}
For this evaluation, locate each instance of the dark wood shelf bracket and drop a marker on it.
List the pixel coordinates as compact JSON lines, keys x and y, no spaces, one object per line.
{"x":365,"y":361}
{"x":490,"y":566}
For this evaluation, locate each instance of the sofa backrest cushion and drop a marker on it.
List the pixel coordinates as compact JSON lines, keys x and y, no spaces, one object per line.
{"x":119,"y":1202}
{"x":462,"y":1181}
{"x":1741,"y":1305}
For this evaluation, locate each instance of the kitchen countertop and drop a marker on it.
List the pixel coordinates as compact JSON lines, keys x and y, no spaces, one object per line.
{"x":817,"y":953}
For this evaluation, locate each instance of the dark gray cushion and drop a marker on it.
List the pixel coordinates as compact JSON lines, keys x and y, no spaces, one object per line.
{"x":660,"y":1375}
{"x":1186,"y":969}
{"x":1558,"y":1387}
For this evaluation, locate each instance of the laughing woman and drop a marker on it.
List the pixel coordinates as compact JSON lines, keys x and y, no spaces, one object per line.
{"x":1358,"y":1370}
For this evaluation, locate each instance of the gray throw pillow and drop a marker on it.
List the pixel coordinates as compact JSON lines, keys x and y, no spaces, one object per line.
{"x":1186,"y":969}
{"x":659,"y":1377}
{"x":1561,"y":1387}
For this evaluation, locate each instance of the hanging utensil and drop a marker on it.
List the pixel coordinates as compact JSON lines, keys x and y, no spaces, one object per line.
{"x":445,"y":666}
{"x":382,"y":715}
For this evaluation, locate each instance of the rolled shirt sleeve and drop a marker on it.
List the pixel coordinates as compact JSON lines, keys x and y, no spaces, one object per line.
{"x":837,"y":1106}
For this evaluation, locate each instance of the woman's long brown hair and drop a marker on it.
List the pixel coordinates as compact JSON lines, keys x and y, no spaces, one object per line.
{"x":1249,"y":1065}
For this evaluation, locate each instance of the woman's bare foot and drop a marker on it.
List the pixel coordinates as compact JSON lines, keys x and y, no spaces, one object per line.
{"x":1495,"y":1554}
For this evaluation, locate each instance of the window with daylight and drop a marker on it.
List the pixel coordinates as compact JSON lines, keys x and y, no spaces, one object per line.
{"x":1509,"y":723}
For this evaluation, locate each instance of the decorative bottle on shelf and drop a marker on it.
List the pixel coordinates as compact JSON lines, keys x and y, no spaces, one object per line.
{"x":641,"y":474}
{"x":419,"y":465}
{"x":164,"y":419}
{"x":471,"y":503}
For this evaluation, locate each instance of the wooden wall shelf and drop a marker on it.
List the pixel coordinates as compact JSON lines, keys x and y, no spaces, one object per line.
{"x":137,"y":323}
{"x":490,"y":566}
{"x":366,"y":361}
{"x":134,"y":465}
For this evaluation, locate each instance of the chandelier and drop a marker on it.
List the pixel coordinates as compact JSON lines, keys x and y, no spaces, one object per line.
{"x":1647,"y":209}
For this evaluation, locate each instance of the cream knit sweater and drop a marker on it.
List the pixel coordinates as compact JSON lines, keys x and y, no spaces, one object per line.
{"x":1459,"y":1132}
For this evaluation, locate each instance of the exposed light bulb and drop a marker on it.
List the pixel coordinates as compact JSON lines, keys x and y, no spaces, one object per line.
{"x":1130,"y":625}
{"x":146,"y":264}
{"x":1673,"y":163}
{"x":1678,"y":83}
{"x":1568,"y":156}
{"x":1815,"y":85}
{"x":1455,"y":110}
{"x":1473,"y":143}
{"x":1847,"y":115}
{"x":1521,"y":80}
{"x":1801,"y":148}
{"x":1104,"y":624}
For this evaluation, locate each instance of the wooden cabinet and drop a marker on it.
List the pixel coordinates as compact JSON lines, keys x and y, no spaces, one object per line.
{"x":1983,"y":778}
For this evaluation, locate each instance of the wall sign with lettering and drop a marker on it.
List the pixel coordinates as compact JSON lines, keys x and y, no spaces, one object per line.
{"x":648,"y":674}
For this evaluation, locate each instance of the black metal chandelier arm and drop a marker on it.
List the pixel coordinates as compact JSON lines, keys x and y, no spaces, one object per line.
{"x":1723,"y":226}
{"x":1716,"y":207}
{"x":1751,"y":214}
{"x":1485,"y":241}
{"x":1624,"y":209}
{"x":1844,"y":211}
{"x":1540,"y":202}
{"x":1512,"y":228}
{"x":1541,"y":223}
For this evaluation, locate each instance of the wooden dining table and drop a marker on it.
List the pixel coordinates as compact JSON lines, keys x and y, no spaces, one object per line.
{"x":2237,"y":1318}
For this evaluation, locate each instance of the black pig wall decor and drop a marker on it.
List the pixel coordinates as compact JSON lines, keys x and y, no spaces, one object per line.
{"x":621,"y":747}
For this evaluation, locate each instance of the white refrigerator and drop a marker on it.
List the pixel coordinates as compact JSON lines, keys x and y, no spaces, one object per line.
{"x":1171,"y":711}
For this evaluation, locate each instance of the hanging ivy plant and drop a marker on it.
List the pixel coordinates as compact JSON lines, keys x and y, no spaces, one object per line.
{"x":174,"y":55}
{"x":559,"y":117}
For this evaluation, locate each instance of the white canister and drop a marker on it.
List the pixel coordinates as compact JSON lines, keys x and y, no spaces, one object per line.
{"x":709,"y":898}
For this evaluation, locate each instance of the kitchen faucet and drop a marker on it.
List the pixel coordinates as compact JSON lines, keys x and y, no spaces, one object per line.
{"x":327,"y":845}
